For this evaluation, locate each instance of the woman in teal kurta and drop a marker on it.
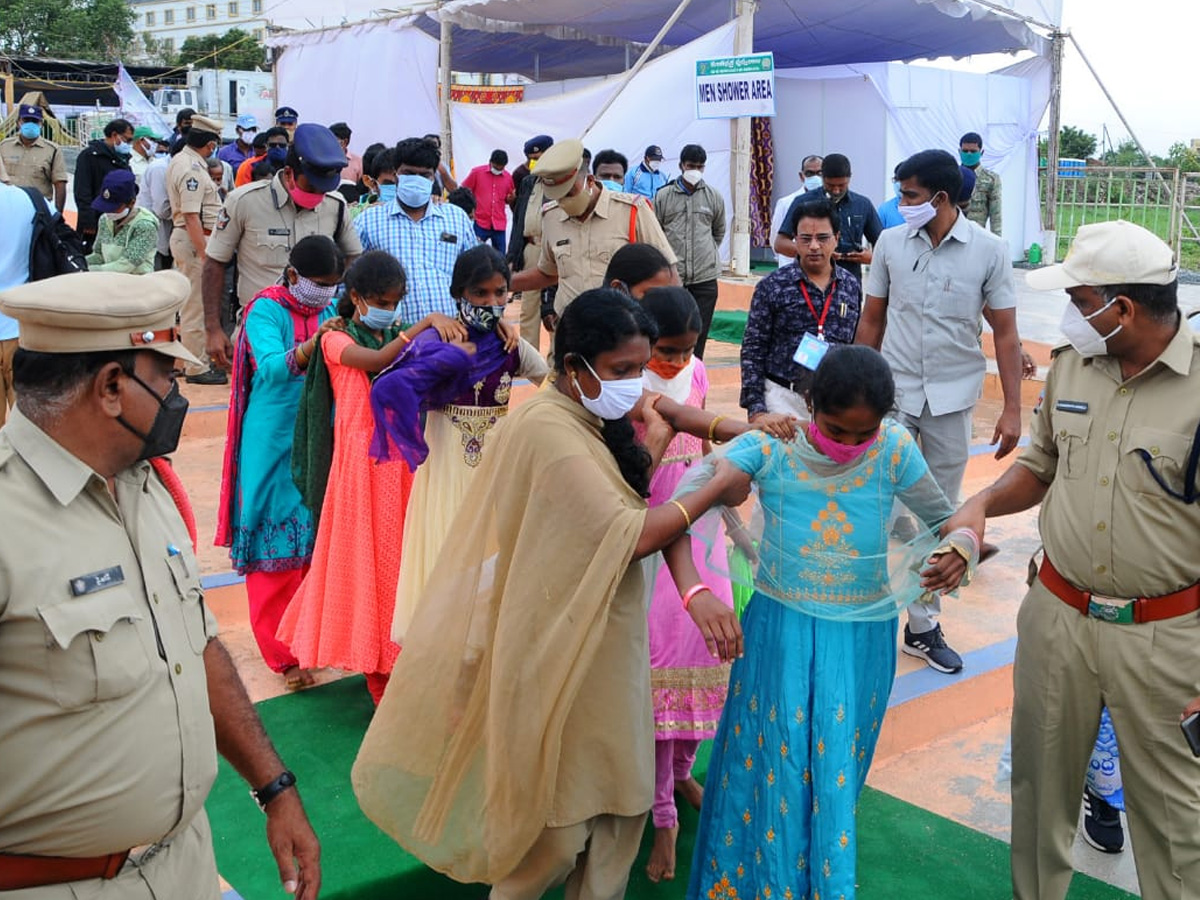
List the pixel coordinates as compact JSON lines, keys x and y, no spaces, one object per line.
{"x":262,"y":519}
{"x":806,"y":701}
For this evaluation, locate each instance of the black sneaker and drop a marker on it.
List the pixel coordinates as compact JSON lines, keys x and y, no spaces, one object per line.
{"x":212,"y":376}
{"x":1102,"y":823}
{"x":932,"y":647}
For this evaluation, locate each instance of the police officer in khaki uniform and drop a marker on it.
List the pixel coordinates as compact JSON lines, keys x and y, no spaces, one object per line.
{"x":195,"y":205}
{"x":32,"y":161}
{"x":1111,"y":618}
{"x":114,"y":689}
{"x":584,"y":228}
{"x":261,"y":222}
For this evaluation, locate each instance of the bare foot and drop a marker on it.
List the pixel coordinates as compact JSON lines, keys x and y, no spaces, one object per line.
{"x":298,"y":679}
{"x":691,"y":791}
{"x":661,"y":866}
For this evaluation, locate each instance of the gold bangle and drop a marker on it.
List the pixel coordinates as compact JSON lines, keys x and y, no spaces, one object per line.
{"x":712,"y":429}
{"x":686,"y":516}
{"x":301,"y":357}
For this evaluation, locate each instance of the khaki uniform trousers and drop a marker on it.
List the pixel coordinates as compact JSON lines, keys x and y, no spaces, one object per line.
{"x":191,"y":317}
{"x":183,"y":870}
{"x":8,"y":397}
{"x":531,"y":301}
{"x":1067,"y":667}
{"x":594,"y":858}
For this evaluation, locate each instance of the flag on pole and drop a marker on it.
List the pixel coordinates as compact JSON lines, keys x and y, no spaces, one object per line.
{"x":136,"y":107}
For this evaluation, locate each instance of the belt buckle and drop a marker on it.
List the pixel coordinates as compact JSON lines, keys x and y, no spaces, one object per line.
{"x":1119,"y":612}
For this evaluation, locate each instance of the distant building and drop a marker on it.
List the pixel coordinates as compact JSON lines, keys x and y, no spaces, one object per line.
{"x":174,"y":21}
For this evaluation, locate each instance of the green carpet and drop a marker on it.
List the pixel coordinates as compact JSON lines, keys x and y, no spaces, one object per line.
{"x":318,"y":733}
{"x":728,"y":326}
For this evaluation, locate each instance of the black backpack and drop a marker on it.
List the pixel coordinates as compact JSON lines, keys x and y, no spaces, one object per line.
{"x":54,"y":248}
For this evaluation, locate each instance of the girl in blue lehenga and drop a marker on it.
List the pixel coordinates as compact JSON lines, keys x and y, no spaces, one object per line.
{"x":807,"y":699}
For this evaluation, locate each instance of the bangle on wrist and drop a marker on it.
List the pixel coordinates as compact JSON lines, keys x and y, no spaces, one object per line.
{"x":268,"y":792}
{"x":712,"y":429}
{"x":690,"y":594}
{"x":687,"y":518}
{"x":404,"y":337}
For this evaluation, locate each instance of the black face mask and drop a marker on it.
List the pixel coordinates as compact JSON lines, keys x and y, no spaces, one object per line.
{"x":164,"y":433}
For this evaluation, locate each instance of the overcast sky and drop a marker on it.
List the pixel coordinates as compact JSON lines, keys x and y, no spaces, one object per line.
{"x":1147,"y":53}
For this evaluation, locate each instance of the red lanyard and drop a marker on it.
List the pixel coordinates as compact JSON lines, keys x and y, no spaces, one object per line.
{"x":824,"y":312}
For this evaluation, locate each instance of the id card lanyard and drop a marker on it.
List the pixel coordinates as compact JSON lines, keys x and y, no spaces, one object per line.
{"x":824,"y":312}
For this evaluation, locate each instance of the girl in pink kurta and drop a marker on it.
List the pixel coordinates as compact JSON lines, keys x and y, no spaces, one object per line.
{"x":341,"y":615}
{"x":688,"y":685}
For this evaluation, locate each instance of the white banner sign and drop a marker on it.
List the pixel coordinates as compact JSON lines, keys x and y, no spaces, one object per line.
{"x":136,"y":108}
{"x":735,"y":86}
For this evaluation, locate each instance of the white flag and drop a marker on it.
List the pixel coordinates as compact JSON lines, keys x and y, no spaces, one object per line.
{"x":136,"y":108}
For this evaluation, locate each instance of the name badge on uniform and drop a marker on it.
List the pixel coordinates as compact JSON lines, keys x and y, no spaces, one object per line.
{"x":1071,"y":406}
{"x":96,"y":581}
{"x":449,"y":238}
{"x":563,"y":243}
{"x":811,"y":351}
{"x":279,"y":232}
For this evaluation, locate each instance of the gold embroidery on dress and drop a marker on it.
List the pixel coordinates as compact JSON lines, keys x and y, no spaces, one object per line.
{"x":473,"y":424}
{"x":504,"y":389}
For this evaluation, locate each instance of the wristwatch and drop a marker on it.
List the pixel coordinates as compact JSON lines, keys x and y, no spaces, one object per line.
{"x":273,"y":789}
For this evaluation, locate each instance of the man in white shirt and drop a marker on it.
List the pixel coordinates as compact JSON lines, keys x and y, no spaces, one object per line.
{"x":154,"y":197}
{"x":810,"y":180}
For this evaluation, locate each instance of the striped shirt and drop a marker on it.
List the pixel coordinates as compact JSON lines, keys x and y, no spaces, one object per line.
{"x":427,"y":248}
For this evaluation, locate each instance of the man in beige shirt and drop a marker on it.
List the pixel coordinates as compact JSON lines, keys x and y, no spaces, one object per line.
{"x":1111,"y":619}
{"x":32,"y":161}
{"x":195,"y":204}
{"x":114,"y":688}
{"x":584,"y":228}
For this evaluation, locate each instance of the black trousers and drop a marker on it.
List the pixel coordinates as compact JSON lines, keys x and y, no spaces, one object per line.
{"x":705,"y":295}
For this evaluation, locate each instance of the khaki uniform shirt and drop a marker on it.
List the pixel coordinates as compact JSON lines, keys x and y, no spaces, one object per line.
{"x":105,"y":732}
{"x":533,"y":214}
{"x":1107,"y":525}
{"x":39,"y":165}
{"x":578,"y":253}
{"x":190,"y":190}
{"x":261,"y":224}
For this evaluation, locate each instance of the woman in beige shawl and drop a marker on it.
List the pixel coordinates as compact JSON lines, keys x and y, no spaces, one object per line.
{"x":515,"y":745}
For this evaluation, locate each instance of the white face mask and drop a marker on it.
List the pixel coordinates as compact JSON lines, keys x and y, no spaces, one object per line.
{"x":616,"y":398}
{"x":119,"y":215}
{"x":652,"y":165}
{"x":812,"y":182}
{"x":917,"y":216}
{"x":1078,"y":329}
{"x":693,"y":176}
{"x":496,"y":171}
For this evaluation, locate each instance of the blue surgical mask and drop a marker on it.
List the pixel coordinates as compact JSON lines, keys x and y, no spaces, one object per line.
{"x":812,"y":182}
{"x":31,"y":131}
{"x":378,"y":319}
{"x":414,"y":191}
{"x":612,"y":186}
{"x":123,"y":149}
{"x":277,"y":156}
{"x":387,"y":193}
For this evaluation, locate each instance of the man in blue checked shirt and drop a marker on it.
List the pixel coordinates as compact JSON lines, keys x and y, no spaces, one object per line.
{"x":426,"y":237}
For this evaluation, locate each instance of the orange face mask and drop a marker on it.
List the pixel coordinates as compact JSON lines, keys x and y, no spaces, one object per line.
{"x":664,"y":369}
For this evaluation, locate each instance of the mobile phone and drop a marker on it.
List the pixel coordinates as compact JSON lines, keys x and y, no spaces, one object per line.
{"x":1191,"y":731}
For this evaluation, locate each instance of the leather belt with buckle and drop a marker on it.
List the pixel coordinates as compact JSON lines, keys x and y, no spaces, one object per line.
{"x":1117,"y":610}
{"x":793,"y":386}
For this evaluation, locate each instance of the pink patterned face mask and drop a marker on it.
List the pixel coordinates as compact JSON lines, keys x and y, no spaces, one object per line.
{"x":842,"y":454}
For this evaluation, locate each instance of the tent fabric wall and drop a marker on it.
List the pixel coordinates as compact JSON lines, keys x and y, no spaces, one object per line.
{"x":380,"y":77}
{"x":880,"y":113}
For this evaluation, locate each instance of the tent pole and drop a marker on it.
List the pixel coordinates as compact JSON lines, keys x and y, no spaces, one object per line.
{"x":739,"y":244}
{"x":1111,"y":101}
{"x":444,"y":98}
{"x":637,"y":66}
{"x":1050,"y":218}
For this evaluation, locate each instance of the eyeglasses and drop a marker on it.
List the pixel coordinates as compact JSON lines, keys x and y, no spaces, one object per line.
{"x":823,"y":238}
{"x":816,"y":174}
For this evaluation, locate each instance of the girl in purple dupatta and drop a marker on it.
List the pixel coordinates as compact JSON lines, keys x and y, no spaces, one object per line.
{"x":464,"y":396}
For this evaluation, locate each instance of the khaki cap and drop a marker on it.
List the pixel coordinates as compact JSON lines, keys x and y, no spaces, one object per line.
{"x":1108,"y":253}
{"x":558,"y":167}
{"x":204,"y":123}
{"x":88,"y":312}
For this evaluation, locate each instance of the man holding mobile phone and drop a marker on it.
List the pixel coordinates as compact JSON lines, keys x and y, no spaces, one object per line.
{"x":1112,"y":618}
